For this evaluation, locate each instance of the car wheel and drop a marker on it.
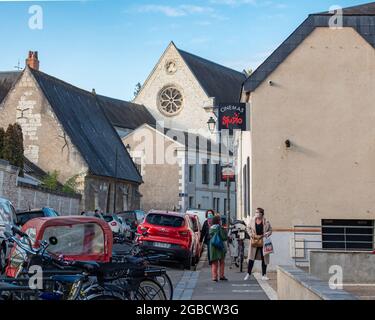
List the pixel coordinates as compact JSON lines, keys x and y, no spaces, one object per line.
{"x":2,"y":259}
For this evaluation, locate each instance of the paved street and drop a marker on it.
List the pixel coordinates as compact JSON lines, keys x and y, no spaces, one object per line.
{"x":197,"y":284}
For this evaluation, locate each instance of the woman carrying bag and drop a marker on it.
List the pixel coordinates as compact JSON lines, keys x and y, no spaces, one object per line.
{"x":260,"y":230}
{"x":218,"y":249}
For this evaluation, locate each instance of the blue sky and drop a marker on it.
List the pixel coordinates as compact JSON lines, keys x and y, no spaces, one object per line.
{"x":113,"y":44}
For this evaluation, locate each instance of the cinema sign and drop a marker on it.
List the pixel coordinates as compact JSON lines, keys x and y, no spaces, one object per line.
{"x":233,"y":116}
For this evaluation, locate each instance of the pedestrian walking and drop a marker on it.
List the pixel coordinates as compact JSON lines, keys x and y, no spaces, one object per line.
{"x":205,"y":233}
{"x":259,"y":230}
{"x":218,"y":249}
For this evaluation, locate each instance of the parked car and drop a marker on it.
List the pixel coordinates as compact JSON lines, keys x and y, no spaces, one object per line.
{"x":197,"y":232}
{"x":7,"y":219}
{"x":95,"y":215}
{"x":117,"y":225}
{"x":25,"y":216}
{"x":169,"y":233}
{"x":133,"y":218}
{"x":200,"y":213}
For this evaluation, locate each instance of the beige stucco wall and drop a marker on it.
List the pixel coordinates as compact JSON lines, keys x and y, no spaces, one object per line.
{"x":161,"y":171}
{"x":193,"y":115}
{"x":323,"y":101}
{"x":45,"y":142}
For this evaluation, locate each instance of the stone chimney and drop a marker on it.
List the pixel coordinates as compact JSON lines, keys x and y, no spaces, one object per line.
{"x":32,"y":60}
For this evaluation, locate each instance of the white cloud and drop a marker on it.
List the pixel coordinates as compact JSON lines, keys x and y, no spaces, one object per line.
{"x":257,"y":3}
{"x":176,"y":11}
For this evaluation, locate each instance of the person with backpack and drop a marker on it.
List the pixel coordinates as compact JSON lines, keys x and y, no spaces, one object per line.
{"x":218,"y":249}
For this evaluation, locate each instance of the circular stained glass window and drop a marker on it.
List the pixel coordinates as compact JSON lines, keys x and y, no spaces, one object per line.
{"x":170,"y":101}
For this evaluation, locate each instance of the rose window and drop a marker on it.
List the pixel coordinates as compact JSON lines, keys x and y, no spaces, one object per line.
{"x":170,"y":101}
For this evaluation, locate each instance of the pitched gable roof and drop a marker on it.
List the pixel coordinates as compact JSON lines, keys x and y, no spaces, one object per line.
{"x":222,"y":83}
{"x":363,"y":23}
{"x":125,"y":114}
{"x":363,"y":9}
{"x":85,"y":122}
{"x":7,"y":80}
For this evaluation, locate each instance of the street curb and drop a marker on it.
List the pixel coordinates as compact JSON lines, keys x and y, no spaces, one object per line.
{"x":268,"y":290}
{"x":202,"y":261}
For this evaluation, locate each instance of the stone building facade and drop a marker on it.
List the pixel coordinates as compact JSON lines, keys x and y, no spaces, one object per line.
{"x":177,"y":175}
{"x":181,"y":93}
{"x":66,"y":129}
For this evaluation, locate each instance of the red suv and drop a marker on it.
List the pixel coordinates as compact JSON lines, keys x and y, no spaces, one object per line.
{"x":170,"y":233}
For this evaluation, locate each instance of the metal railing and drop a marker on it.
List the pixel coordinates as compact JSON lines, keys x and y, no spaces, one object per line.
{"x":330,"y":238}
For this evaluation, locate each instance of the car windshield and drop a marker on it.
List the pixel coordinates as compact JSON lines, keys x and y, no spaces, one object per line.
{"x":165,"y":220}
{"x":80,"y":239}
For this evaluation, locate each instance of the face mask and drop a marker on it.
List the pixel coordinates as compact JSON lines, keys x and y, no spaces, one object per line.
{"x":210,"y":216}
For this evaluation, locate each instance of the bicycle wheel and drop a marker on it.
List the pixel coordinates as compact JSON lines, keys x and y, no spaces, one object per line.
{"x":150,"y":290}
{"x":166,"y":283}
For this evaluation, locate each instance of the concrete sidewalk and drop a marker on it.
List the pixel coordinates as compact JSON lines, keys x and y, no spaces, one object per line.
{"x":197,"y":285}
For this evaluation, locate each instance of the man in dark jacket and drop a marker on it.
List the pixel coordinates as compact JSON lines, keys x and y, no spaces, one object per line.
{"x":205,"y":233}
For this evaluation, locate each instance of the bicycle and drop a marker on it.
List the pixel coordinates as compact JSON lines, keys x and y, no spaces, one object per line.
{"x":237,"y":235}
{"x":157,"y":274}
{"x":95,"y":282}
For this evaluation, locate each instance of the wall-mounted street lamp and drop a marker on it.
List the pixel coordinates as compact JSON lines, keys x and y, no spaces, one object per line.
{"x":211,"y":124}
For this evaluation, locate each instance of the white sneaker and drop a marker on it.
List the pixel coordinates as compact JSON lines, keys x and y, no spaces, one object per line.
{"x":264,"y":278}
{"x":247,"y":277}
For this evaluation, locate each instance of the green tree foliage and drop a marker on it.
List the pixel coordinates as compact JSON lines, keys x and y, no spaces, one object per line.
{"x":8,"y":150}
{"x":18,"y":147}
{"x":12,"y":150}
{"x":70,"y":185}
{"x":50,"y":181}
{"x":137,"y":89}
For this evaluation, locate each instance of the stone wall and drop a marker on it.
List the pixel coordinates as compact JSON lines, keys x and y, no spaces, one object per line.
{"x":357,"y":267}
{"x":160,"y":171}
{"x":25,"y":196}
{"x":45,"y":141}
{"x":99,"y":193}
{"x":295,"y":284}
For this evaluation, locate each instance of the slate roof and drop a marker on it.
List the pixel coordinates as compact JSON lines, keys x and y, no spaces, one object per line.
{"x":125,"y":114}
{"x":361,"y":18}
{"x":33,"y":170}
{"x":7,"y":80}
{"x":89,"y":129}
{"x":363,"y":9}
{"x":218,"y":81}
